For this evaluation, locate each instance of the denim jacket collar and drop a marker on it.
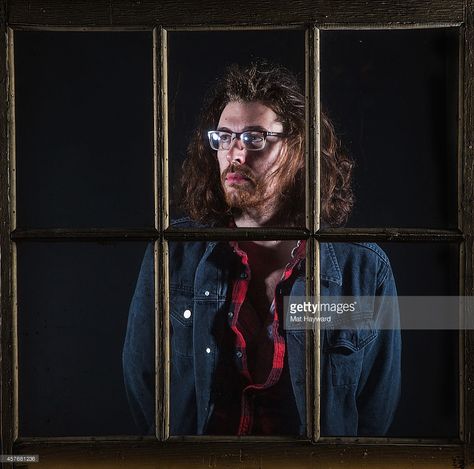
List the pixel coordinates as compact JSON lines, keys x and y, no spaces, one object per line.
{"x":330,"y":270}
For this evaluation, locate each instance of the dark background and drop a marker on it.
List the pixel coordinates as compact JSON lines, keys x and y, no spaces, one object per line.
{"x":392,"y":96}
{"x":84,"y":159}
{"x":72,"y":317}
{"x":84,"y":129}
{"x":429,"y":403}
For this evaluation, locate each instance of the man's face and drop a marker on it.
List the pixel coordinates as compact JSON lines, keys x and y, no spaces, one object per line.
{"x":245,"y":173}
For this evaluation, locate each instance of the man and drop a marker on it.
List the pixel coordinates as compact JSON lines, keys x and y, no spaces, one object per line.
{"x":235,"y":370}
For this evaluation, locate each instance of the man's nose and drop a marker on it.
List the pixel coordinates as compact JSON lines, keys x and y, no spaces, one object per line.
{"x":237,"y":152}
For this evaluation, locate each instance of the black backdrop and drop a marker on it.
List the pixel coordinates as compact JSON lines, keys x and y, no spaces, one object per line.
{"x":84,"y":152}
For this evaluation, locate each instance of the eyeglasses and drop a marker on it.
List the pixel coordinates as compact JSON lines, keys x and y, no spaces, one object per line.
{"x":252,"y":140}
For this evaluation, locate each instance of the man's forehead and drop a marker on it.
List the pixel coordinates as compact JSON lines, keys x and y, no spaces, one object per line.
{"x":253,"y":114}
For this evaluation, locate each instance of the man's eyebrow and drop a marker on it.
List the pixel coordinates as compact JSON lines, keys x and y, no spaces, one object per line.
{"x":247,"y":128}
{"x":255,"y":127}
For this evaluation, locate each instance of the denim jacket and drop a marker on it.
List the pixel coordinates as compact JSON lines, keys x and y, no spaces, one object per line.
{"x":360,"y":366}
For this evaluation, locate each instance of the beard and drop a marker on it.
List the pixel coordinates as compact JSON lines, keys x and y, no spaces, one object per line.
{"x":252,"y":195}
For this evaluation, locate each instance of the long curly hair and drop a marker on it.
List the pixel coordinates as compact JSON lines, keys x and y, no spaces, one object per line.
{"x":202,"y":196}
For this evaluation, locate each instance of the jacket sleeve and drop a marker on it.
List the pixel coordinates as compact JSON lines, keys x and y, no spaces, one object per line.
{"x":380,"y":382}
{"x":139,"y":349}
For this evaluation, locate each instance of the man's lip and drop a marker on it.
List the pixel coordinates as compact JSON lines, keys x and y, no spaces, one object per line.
{"x":236,"y":177}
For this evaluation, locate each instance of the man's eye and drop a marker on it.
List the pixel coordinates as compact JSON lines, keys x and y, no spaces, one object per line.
{"x":253,"y":138}
{"x":225,"y":138}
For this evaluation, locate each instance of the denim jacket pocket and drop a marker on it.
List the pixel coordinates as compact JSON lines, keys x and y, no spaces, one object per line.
{"x":181,"y":317}
{"x":346,"y":348}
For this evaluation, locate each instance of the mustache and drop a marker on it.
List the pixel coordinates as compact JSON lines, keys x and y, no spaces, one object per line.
{"x":238,"y":169}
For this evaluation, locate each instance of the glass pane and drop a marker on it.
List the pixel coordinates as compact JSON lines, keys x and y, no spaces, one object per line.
{"x":235,"y":369}
{"x":429,"y":405}
{"x":73,"y":302}
{"x":392,"y":97}
{"x":252,"y":178}
{"x":84,"y":129}
{"x":387,"y":368}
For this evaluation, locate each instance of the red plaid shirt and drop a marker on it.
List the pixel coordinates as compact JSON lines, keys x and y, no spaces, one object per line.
{"x":263,"y":344}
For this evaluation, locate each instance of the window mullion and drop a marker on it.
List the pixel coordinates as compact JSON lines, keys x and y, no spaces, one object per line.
{"x":161,"y":220}
{"x":313,"y":220}
{"x":467,"y":223}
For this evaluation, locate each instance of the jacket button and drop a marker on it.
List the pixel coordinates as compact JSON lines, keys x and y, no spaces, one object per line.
{"x":230,"y":314}
{"x":206,"y":293}
{"x":187,"y":314}
{"x":208,"y":350}
{"x":239,"y":354}
{"x":243,"y":275}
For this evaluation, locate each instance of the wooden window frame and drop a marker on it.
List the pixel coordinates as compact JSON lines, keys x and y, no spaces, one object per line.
{"x":311,"y":15}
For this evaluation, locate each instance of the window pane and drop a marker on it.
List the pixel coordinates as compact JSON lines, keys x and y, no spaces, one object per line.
{"x":392,"y":97}
{"x":84,"y":129}
{"x":429,"y":405}
{"x":380,"y":376}
{"x":73,"y":302}
{"x":235,"y":369}
{"x":197,"y":65}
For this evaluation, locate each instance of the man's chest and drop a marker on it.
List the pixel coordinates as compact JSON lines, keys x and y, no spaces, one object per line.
{"x":261,"y":289}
